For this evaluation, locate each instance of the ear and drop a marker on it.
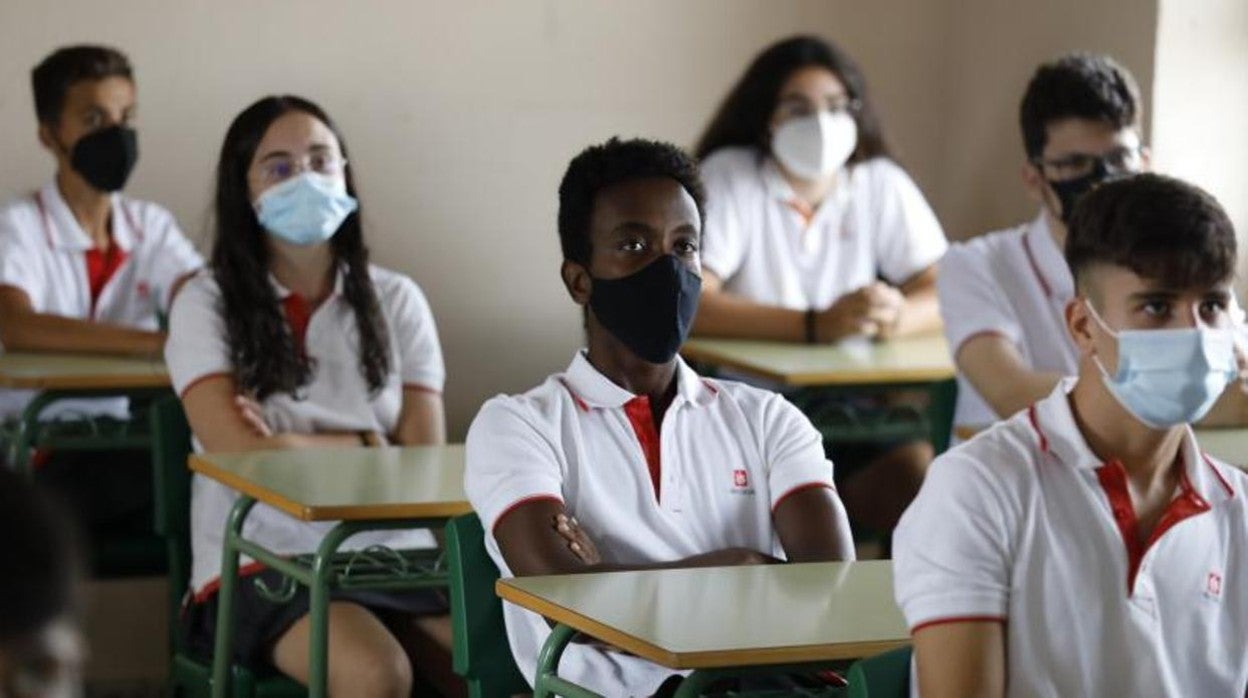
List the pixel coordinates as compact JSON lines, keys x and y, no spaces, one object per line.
{"x":1079,"y":325}
{"x":1033,"y":182}
{"x":48,"y":139}
{"x":577,"y":281}
{"x":1146,"y":159}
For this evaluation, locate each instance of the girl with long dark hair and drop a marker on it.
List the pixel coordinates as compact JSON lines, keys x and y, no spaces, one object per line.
{"x":814,"y":234}
{"x":293,"y":340}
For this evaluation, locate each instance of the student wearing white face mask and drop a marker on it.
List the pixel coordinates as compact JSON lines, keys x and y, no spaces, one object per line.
{"x":813,"y":234}
{"x":1087,"y":546}
{"x":293,"y":340}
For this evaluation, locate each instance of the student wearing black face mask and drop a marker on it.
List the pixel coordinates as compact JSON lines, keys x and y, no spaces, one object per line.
{"x":1003,"y":295}
{"x":85,"y":269}
{"x":629,"y":459}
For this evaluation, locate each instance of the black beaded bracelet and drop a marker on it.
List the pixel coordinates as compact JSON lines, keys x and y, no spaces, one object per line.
{"x":810,"y":327}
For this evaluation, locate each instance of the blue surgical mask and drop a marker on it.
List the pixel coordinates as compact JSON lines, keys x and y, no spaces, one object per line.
{"x":306,"y":209}
{"x":1169,"y":377}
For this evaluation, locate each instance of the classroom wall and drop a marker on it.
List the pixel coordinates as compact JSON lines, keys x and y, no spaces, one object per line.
{"x":1201,"y":92}
{"x":461,"y":117}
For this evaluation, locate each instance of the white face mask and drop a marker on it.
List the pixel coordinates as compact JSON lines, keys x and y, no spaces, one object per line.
{"x":813,"y":147}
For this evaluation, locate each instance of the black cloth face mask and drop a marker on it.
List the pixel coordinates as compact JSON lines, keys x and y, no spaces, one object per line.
{"x":106,"y":157}
{"x":1070,"y":191}
{"x":651,"y":310}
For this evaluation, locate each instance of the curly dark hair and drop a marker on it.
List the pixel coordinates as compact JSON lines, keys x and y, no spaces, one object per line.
{"x":600,"y":166}
{"x":1077,"y":85}
{"x":1158,"y":227}
{"x":743,"y":117}
{"x":262,"y":348}
{"x":52,"y":78}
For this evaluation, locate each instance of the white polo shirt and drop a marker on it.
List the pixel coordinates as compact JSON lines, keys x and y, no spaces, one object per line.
{"x":336,"y":399}
{"x":1024,"y":524}
{"x":1013,"y":283}
{"x":43,"y":252}
{"x":709,"y":478}
{"x":875,"y":223}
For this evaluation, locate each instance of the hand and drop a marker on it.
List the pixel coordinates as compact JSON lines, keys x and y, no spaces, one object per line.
{"x":253,"y":416}
{"x":871,"y":311}
{"x":576,"y":538}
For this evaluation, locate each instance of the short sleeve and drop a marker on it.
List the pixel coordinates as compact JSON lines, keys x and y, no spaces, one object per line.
{"x":196,"y":347}
{"x":793,"y":449}
{"x":420,"y":352}
{"x":19,"y":258}
{"x":178,"y":257}
{"x":723,"y":239}
{"x":908,"y":237}
{"x":508,"y":461}
{"x":971,"y":300}
{"x":951,"y":552}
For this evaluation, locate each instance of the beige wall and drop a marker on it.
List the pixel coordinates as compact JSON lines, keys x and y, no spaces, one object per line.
{"x":1200,"y":130}
{"x":461,"y":117}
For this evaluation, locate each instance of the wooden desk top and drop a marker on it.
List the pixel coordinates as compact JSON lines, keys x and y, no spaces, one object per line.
{"x":23,"y":370}
{"x":357,"y":484}
{"x":1227,"y":445}
{"x":727,"y":616}
{"x":853,"y":362}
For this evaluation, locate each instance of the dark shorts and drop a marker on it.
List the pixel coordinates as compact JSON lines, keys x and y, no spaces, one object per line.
{"x":260,"y":623}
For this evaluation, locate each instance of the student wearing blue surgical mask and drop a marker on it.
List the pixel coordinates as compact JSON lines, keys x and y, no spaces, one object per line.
{"x":815,"y":234}
{"x":292,"y":339}
{"x":1087,"y":546}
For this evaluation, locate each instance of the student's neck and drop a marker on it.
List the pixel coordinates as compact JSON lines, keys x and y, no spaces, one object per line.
{"x":1147,"y":454}
{"x":630,"y":372}
{"x":90,"y":207}
{"x":307,"y":271}
{"x":1056,"y":228}
{"x":812,"y":193}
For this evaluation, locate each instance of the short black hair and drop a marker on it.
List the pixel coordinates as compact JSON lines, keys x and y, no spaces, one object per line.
{"x":53,"y":77}
{"x":1159,"y":227}
{"x":1081,"y":86}
{"x":39,"y":556}
{"x":601,"y":166}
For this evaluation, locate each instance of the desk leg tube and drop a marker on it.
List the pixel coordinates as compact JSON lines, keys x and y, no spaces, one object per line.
{"x":547,"y":683}
{"x":223,"y":650}
{"x":322,"y":571}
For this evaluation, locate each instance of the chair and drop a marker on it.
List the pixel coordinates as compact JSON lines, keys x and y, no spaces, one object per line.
{"x":190,"y":677}
{"x":481,"y":655}
{"x":885,"y":675}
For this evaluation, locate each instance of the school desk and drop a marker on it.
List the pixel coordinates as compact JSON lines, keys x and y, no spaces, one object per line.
{"x":718,"y":621}
{"x":363,"y":488}
{"x":811,"y":374}
{"x":65,"y":376}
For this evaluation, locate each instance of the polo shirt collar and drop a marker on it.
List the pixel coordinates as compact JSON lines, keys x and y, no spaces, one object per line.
{"x":64,"y":232}
{"x":283,"y":293}
{"x":1048,"y":260}
{"x":1054,"y":423}
{"x":593,"y":390}
{"x":778,"y":187}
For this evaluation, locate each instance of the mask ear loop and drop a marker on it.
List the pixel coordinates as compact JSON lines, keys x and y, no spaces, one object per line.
{"x":1108,"y":330}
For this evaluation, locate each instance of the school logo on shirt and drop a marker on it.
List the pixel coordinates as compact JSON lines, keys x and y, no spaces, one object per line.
{"x":1213,"y":585}
{"x":741,"y":482}
{"x":143,"y":290}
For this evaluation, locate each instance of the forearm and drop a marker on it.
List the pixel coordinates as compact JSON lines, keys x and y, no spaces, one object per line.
{"x":920,"y":314}
{"x":723,"y":314}
{"x":1008,"y":395}
{"x":54,"y":333}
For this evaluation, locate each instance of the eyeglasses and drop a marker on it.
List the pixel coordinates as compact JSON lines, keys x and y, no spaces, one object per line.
{"x":1117,"y":161}
{"x":794,"y":108}
{"x":282,"y":167}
